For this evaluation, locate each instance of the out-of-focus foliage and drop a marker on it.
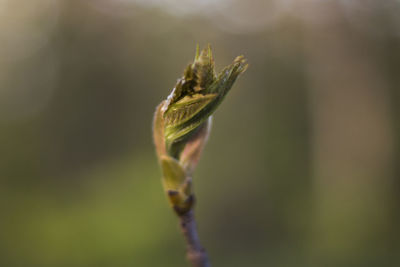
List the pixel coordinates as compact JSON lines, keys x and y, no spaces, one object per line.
{"x":303,"y":159}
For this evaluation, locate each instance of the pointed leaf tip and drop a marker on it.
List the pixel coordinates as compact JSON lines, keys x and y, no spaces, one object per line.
{"x":196,"y":57}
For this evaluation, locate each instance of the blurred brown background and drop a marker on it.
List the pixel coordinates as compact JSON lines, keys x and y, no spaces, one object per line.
{"x":302,"y":165}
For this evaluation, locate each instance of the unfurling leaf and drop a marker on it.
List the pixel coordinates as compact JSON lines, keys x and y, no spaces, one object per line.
{"x":181,"y":121}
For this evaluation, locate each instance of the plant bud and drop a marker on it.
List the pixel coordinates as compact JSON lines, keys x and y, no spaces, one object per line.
{"x":182,"y":122}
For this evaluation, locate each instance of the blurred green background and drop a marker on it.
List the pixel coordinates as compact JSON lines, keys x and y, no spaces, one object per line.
{"x":302,"y":165}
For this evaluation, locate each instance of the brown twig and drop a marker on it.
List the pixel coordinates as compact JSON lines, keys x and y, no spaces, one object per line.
{"x":195,"y":253}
